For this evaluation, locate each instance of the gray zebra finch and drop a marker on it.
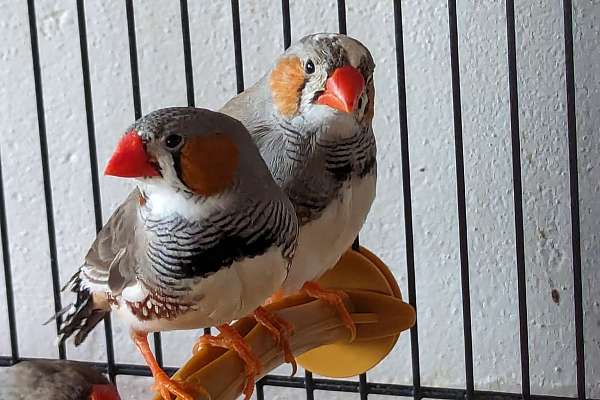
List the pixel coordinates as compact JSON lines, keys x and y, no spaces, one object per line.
{"x":310,"y":116}
{"x":54,"y":380}
{"x":204,"y":239}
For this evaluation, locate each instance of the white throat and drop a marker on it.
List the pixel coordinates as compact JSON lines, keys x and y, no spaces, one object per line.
{"x":331,"y":124}
{"x":163,"y":201}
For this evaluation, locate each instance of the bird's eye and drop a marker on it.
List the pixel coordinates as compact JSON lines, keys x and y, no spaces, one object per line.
{"x":172,"y":141}
{"x":309,"y":67}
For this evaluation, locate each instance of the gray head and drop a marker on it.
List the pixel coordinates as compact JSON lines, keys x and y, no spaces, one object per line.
{"x":56,"y":380}
{"x":324,"y":75}
{"x":193,"y":149}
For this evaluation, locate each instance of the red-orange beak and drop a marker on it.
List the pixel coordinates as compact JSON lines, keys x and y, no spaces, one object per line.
{"x":130,"y":159}
{"x":342,"y":89}
{"x":104,"y":392}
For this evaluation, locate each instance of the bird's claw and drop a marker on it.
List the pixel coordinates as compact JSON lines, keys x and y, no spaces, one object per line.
{"x":232,"y":340}
{"x":167,"y":386}
{"x":280,"y":330}
{"x":337,"y":299}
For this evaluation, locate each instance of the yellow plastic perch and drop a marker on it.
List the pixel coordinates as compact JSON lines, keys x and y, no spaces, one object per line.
{"x":320,"y":341}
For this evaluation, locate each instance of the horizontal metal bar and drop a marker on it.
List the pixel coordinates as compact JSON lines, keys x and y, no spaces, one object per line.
{"x":398,"y":390}
{"x":119,"y":369}
{"x":328,"y":384}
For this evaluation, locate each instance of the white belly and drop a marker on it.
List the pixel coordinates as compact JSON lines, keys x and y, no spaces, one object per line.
{"x":227,"y":295}
{"x":322,"y":242}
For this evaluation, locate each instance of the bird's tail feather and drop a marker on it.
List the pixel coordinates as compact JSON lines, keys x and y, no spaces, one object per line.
{"x":80,"y":317}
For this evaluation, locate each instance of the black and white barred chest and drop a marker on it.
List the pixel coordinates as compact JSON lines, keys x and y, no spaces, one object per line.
{"x":180,"y":251}
{"x":327,"y":168}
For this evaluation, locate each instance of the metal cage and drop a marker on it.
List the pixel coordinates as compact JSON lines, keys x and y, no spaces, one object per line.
{"x":362,"y":386}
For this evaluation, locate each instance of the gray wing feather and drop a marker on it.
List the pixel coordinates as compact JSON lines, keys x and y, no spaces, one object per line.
{"x":107,"y":261}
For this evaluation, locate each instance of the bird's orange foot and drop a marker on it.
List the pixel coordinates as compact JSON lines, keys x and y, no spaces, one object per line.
{"x":335,"y":298}
{"x":162,"y":383}
{"x":280,"y":330}
{"x":167,"y":386}
{"x":231,"y":339}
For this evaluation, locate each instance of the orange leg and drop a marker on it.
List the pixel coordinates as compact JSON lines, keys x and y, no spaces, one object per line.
{"x":281,"y":330}
{"x":231,"y":339}
{"x":165,"y":385}
{"x":335,"y":298}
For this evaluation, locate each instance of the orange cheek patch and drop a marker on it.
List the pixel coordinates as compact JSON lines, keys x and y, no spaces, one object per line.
{"x":286,"y":81}
{"x":209,"y":163}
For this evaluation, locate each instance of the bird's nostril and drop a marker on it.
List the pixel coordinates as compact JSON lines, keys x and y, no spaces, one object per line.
{"x":360,"y":103}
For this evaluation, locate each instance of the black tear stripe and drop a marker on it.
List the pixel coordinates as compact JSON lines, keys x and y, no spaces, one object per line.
{"x":177,"y":165}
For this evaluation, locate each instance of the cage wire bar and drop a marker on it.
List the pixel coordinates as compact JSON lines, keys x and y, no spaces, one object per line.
{"x":93,"y":155}
{"x":461,"y":198}
{"x":187,"y":59}
{"x":309,"y":383}
{"x":517,"y":197}
{"x":405,"y":166}
{"x":47,"y":185}
{"x":137,"y":107}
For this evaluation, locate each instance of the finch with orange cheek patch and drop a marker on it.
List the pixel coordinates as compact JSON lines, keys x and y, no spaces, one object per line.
{"x":54,"y":380}
{"x":310,"y":117}
{"x":204,"y":239}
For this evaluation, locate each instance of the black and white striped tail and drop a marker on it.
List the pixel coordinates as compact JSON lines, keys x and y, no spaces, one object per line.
{"x":80,"y":317}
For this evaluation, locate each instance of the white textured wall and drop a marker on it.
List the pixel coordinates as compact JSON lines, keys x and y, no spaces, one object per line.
{"x":487,"y":151}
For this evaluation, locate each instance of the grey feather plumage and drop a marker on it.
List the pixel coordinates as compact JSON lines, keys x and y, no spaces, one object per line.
{"x":309,"y":158}
{"x":169,"y":253}
{"x":323,"y":158}
{"x":48,"y":380}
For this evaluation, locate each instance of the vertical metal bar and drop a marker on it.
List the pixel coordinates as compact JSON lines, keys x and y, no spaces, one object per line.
{"x":39,"y":99}
{"x":10,"y":298}
{"x":574,"y":188}
{"x":260,"y":390}
{"x":309,"y":385}
{"x":137,"y":108}
{"x":408,"y":220}
{"x":363,"y":386}
{"x":133,"y":61}
{"x":460,"y":188}
{"x":237,"y":45}
{"x":341,"y":5}
{"x":187,"y":52}
{"x":287,"y":28}
{"x":342,"y":16}
{"x":189,"y":68}
{"x":518,"y":197}
{"x":89,"y":112}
